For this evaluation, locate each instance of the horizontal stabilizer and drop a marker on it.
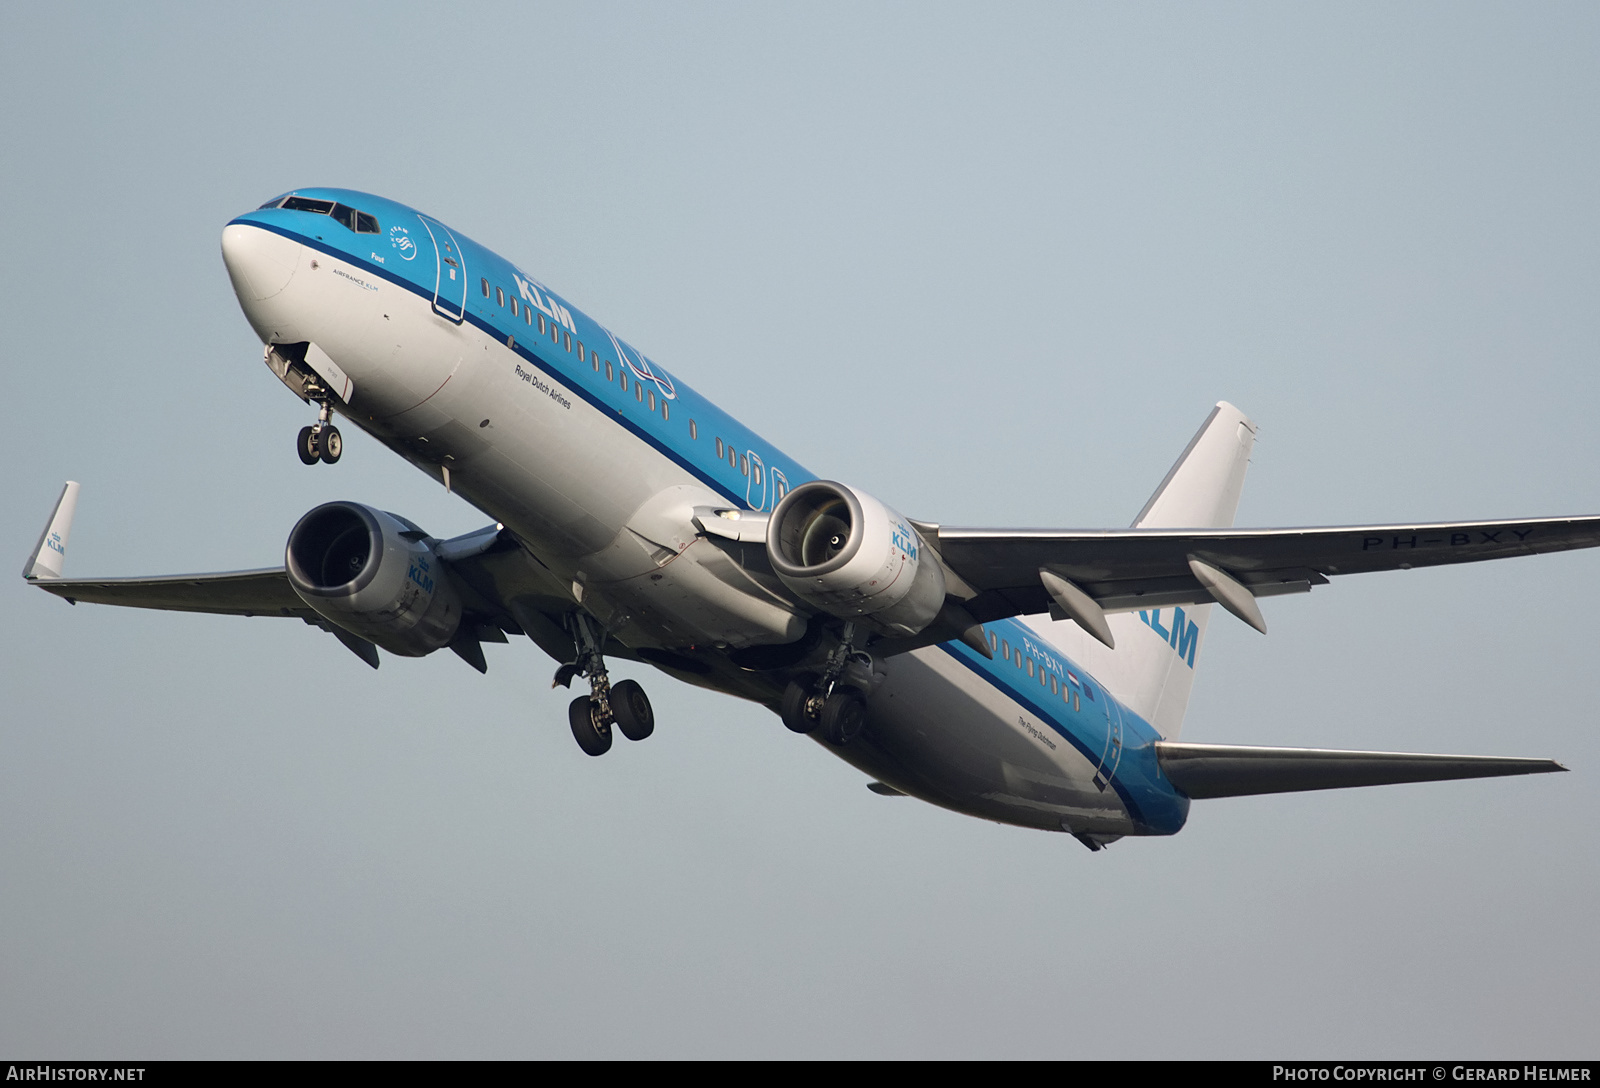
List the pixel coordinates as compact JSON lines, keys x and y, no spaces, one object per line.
{"x":1228,"y":770}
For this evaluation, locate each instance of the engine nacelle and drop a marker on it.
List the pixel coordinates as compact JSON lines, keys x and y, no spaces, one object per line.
{"x":843,"y":551}
{"x":375,"y":576}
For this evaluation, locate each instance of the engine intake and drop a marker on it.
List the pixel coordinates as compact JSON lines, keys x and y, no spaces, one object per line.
{"x":846,"y":553}
{"x":374,"y":575}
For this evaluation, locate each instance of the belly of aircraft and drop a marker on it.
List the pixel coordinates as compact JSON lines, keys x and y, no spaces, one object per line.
{"x":940,"y":732}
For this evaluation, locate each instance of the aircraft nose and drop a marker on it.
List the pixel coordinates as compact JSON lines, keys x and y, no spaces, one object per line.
{"x":260,"y":263}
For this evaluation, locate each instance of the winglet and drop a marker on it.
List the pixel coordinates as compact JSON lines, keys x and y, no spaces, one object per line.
{"x":51,"y":551}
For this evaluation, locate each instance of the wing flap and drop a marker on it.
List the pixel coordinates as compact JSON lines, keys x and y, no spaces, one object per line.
{"x":263,"y":592}
{"x":1203,"y":771}
{"x":1130,"y":569}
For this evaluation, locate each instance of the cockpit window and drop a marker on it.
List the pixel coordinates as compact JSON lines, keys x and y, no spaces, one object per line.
{"x":360,"y":222}
{"x":306,"y":204}
{"x":273,"y":203}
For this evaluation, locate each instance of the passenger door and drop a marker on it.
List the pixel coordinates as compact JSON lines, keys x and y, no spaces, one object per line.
{"x":450,"y":282}
{"x":1112,"y":754}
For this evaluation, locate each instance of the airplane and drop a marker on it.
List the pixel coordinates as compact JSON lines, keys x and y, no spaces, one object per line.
{"x":1031,"y":677}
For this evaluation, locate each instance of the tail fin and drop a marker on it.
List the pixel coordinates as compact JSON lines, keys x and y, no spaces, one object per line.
{"x":1151,"y":671}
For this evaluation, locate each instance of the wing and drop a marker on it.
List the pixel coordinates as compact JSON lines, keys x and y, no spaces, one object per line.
{"x":503,"y":589}
{"x":234,"y":593}
{"x":1123,"y":570}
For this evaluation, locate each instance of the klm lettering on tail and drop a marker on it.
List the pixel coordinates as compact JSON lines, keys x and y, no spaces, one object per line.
{"x":1184,"y":636}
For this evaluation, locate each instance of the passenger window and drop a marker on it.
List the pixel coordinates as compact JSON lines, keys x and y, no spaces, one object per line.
{"x":1005,"y":649}
{"x":527,"y":315}
{"x":1055,"y":688}
{"x":758,"y":475}
{"x":744,"y":465}
{"x":485,"y":288}
{"x":719,"y":449}
{"x":622,"y":376}
{"x":608,"y":370}
{"x":638,"y":393}
{"x":580,"y":351}
{"x":993,"y":643}
{"x":1076,"y":705}
{"x":1042,"y":674}
{"x":664,"y":413}
{"x":694,"y":432}
{"x":595,"y":359}
{"x":541,"y":324}
{"x":1019,"y":658}
{"x":652,"y":404}
{"x":733,"y":458}
{"x":555,"y":334}
{"x":499,"y":297}
{"x":513,"y":305}
{"x":568,"y":337}
{"x":1029,"y":666}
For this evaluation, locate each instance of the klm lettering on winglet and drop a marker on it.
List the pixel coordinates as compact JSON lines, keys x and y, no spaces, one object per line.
{"x":54,"y":544}
{"x":1184,"y":636}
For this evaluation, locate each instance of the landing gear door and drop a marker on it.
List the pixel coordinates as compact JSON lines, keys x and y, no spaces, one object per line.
{"x":450,"y":283}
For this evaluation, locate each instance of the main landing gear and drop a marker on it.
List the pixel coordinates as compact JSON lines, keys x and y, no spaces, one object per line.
{"x":813,"y":702}
{"x":321,"y":441}
{"x":591,"y":716}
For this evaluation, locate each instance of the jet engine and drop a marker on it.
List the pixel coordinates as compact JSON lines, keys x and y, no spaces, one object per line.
{"x":843,"y":551}
{"x":376,"y":576}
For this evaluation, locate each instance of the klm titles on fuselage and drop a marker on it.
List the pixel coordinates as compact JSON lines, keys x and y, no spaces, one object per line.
{"x":549,"y":307}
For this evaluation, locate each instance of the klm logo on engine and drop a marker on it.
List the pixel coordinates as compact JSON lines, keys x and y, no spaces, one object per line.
{"x":905,"y":540}
{"x":420,"y":575}
{"x":1183,"y":637}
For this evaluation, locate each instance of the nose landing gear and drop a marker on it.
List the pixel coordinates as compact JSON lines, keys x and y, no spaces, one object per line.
{"x":321,"y":441}
{"x":591,"y":716}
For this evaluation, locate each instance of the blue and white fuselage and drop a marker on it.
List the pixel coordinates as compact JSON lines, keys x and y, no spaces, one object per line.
{"x":1035,"y":677}
{"x":596,"y":457}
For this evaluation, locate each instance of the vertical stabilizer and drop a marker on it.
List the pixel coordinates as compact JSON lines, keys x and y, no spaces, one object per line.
{"x":1152,"y":669}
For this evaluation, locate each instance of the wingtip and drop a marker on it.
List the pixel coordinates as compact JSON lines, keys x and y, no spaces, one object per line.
{"x":48,"y":555}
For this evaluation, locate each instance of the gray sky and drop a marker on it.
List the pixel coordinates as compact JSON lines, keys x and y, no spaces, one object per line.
{"x":993,"y":264}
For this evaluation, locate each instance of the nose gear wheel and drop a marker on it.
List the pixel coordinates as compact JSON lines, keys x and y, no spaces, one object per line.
{"x":321,"y":441}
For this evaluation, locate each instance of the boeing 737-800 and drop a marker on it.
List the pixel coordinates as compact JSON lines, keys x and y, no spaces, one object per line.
{"x":1033,"y":677}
